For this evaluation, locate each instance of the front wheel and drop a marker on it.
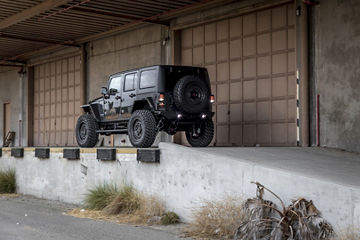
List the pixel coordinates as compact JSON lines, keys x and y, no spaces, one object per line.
{"x":142,"y":129}
{"x":201,"y":134}
{"x":86,"y":127}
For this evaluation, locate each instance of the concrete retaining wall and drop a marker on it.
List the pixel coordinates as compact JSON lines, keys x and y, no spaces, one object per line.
{"x":183,"y":179}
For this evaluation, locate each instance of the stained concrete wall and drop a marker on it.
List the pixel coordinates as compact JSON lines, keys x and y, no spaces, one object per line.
{"x":128,"y":50}
{"x":10,"y":92}
{"x":336,"y":72}
{"x":186,"y":177}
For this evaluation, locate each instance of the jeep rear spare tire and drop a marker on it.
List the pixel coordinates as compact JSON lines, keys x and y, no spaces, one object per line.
{"x":86,"y":131}
{"x":200,"y":134}
{"x":191,"y":95}
{"x":142,"y":129}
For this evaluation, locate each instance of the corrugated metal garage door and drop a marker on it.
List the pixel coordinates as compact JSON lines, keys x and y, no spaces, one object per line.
{"x":251,"y":63}
{"x":57,"y":95}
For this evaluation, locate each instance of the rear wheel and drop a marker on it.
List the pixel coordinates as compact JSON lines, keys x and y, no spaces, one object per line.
{"x":201,"y":134}
{"x":191,"y":95}
{"x":86,"y":127}
{"x":142,"y":129}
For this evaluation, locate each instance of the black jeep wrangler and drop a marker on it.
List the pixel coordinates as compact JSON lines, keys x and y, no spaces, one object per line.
{"x":142,"y":102}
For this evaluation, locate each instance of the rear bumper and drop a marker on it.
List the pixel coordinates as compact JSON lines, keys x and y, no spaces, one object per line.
{"x":185,"y":118}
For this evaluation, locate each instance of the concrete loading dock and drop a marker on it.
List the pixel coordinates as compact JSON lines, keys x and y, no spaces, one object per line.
{"x":187,"y":176}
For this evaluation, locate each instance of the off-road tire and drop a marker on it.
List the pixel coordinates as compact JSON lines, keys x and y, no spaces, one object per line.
{"x":183,"y":95}
{"x":86,"y":127}
{"x":205,"y":137}
{"x":145,"y":137}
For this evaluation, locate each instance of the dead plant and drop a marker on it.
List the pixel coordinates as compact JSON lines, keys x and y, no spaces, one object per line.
{"x":150,"y":206}
{"x":126,"y":201}
{"x":301,"y":220}
{"x":216,"y":219}
{"x":349,"y":233}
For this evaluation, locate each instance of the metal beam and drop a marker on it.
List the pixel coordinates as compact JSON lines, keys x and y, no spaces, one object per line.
{"x":126,"y":27}
{"x":9,"y":65}
{"x":114,"y":14}
{"x":47,"y":41}
{"x":164,"y":15}
{"x":31,"y":12}
{"x":3,"y":60}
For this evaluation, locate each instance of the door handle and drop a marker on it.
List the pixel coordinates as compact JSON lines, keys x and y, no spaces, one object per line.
{"x":132,"y":95}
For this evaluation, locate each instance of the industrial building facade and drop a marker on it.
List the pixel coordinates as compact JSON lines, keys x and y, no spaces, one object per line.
{"x":266,"y":60}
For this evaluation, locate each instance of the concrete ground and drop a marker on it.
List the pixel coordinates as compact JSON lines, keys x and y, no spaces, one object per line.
{"x":35,"y":219}
{"x":322,"y":163}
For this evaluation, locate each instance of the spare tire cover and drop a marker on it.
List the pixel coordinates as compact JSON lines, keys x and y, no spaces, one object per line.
{"x":191,"y":95}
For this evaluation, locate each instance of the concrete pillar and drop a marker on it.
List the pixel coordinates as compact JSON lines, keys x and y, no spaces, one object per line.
{"x":302,"y":70}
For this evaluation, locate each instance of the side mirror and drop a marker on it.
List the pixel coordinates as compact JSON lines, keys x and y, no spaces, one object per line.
{"x":113,"y":91}
{"x":104,"y":91}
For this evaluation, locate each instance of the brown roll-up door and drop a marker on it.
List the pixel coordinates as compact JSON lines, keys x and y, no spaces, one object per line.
{"x":57,"y":100}
{"x":251,"y":63}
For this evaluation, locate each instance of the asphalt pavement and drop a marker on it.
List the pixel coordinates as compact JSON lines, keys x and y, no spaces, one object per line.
{"x":28,"y":218}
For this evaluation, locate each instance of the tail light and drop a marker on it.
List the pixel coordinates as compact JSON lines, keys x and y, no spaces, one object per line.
{"x":161,"y":97}
{"x":212,"y":98}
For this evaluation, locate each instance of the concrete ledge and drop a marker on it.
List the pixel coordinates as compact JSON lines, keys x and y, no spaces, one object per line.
{"x":106,"y":154}
{"x":17,"y":152}
{"x":56,"y":150}
{"x":71,"y":153}
{"x":148,"y":155}
{"x":126,"y":150}
{"x":42,"y":153}
{"x":87,"y":150}
{"x":29,"y":149}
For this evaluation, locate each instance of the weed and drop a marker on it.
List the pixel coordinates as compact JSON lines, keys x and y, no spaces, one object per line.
{"x":123,"y":204}
{"x":217,"y":219}
{"x":169,"y":218}
{"x":8,"y":181}
{"x":100,"y":196}
{"x":126,"y":201}
{"x":150,"y":206}
{"x":348,"y":234}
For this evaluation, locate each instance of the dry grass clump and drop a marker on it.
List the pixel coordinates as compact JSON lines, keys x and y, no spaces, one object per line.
{"x":217,"y":219}
{"x":133,"y":207}
{"x":100,"y":196}
{"x":123,"y":205}
{"x":150,"y":206}
{"x":126,"y":200}
{"x":9,"y":195}
{"x":8,"y":181}
{"x":348,"y":234}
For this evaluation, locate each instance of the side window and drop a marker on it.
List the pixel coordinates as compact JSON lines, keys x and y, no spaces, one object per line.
{"x":129,"y":84}
{"x":148,"y":78}
{"x":115,"y":83}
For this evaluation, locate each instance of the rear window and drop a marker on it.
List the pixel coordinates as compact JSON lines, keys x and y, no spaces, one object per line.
{"x":148,"y":78}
